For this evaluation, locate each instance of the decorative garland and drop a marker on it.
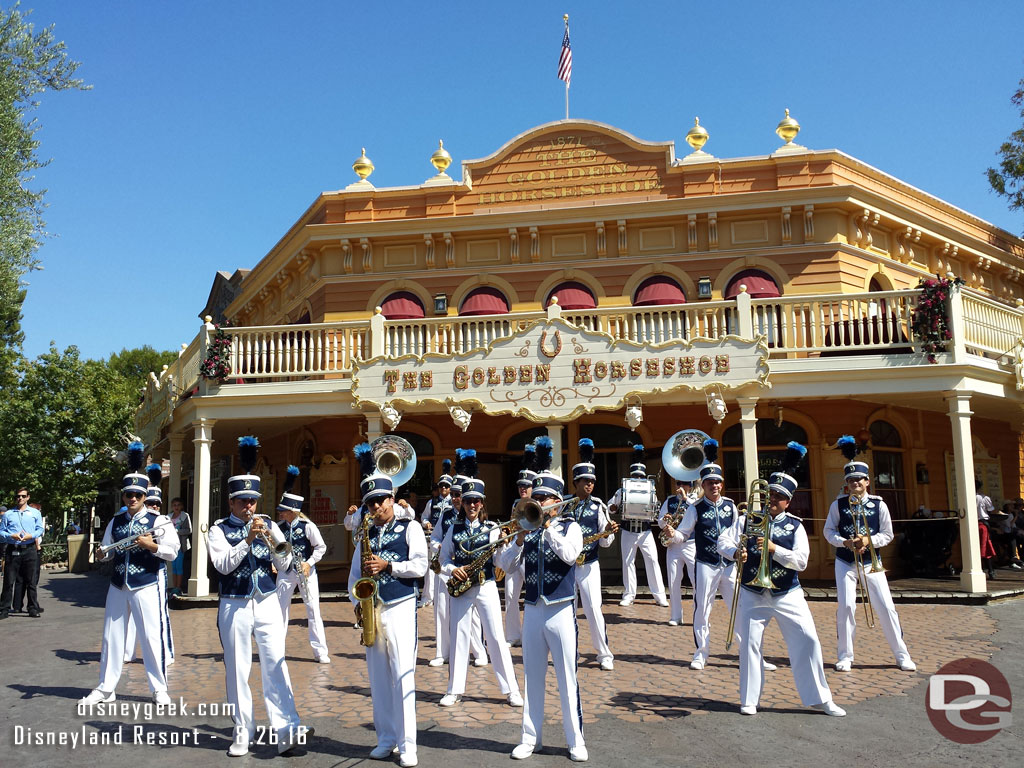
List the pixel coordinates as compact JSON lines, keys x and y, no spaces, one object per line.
{"x":931,"y":317}
{"x":217,"y":364}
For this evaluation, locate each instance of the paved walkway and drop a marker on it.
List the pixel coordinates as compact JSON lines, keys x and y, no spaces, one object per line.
{"x":651,"y":706}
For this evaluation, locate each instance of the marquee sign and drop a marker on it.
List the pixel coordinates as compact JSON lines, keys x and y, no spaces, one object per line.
{"x":554,"y":371}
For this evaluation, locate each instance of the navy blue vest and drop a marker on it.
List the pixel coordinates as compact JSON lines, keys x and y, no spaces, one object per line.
{"x":847,"y":528}
{"x":389,"y":543}
{"x":783,"y":533}
{"x":438,"y":508}
{"x":586,"y":515}
{"x":547,"y":576}
{"x":253,"y":575}
{"x":137,"y":567}
{"x":295,"y":534}
{"x":462,"y":531}
{"x":711,"y":521}
{"x":447,"y":518}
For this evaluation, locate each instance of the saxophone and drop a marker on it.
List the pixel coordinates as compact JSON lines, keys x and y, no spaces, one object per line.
{"x":588,"y":540}
{"x":672,"y":521}
{"x":365,"y":589}
{"x":475,"y":570}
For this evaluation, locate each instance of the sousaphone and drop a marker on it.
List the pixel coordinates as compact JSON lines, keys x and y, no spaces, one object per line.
{"x":683,"y":455}
{"x":395,"y":457}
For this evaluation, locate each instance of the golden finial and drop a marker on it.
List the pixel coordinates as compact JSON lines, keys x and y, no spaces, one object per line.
{"x":565,"y":18}
{"x":363,"y":166}
{"x":697,"y":136}
{"x":441,"y":159}
{"x":787,"y":128}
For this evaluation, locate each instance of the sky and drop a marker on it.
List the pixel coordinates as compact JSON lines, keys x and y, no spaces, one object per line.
{"x":212,"y":126}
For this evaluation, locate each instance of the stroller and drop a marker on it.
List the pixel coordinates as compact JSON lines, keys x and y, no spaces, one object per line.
{"x":927,"y":547}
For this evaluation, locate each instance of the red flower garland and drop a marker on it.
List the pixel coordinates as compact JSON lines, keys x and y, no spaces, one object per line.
{"x":931,"y":317}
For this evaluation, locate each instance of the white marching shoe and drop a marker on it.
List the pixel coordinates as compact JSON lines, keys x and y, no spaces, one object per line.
{"x":161,"y":698}
{"x":696,"y":664}
{"x":768,"y":666}
{"x":408,"y":760}
{"x":830,"y":708}
{"x":449,"y":700}
{"x":437,"y":661}
{"x":748,"y":709}
{"x":844,"y":666}
{"x":97,"y":697}
{"x":607,"y":665}
{"x":579,"y":754}
{"x":908,"y":666}
{"x":240,"y":745}
{"x":523,"y":751}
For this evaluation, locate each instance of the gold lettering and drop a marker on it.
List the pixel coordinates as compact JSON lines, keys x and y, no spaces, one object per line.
{"x":607,"y":188}
{"x":652,"y":366}
{"x":618,"y":370}
{"x":492,"y":376}
{"x":426,"y":379}
{"x":535,"y":177}
{"x":581,"y":371}
{"x":686,"y":366}
{"x":461,"y":377}
{"x":409,"y":380}
{"x":391,"y":377}
{"x":548,"y":194}
{"x":636,"y":366}
{"x":525,"y":374}
{"x":515,"y":179}
{"x":651,"y":184}
{"x":542,"y":373}
{"x":600,"y":369}
{"x":509,"y":374}
{"x":486,"y":198}
{"x":588,"y":189}
{"x":478,"y":377}
{"x":704,"y":366}
{"x":721,"y":363}
{"x":669,"y":366}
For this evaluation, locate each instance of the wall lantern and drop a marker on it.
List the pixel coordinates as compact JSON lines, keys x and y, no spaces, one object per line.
{"x":704,"y":288}
{"x":922,"y":475}
{"x":440,"y":304}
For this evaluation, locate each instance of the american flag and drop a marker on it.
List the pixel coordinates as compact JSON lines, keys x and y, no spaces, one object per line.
{"x":565,"y":59}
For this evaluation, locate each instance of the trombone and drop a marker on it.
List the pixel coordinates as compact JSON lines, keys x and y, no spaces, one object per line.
{"x":757,"y":523}
{"x":859,"y":519}
{"x":527,"y":515}
{"x":128,"y":542}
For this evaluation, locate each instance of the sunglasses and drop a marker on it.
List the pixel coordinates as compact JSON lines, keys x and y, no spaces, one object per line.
{"x":21,"y":495}
{"x":133,"y":495}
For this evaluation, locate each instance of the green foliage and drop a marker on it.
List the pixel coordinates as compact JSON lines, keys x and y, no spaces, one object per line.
{"x":1008,"y":179}
{"x":30,"y":64}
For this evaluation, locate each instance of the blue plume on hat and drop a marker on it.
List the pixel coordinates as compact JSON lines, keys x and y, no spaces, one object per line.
{"x":136,"y":456}
{"x":291,"y":475}
{"x":794,"y":455}
{"x":155,"y":474}
{"x":544,"y":447}
{"x":529,"y":456}
{"x":638,"y":453}
{"x":711,"y":450}
{"x":248,"y":453}
{"x":446,"y":467}
{"x":848,"y":445}
{"x":460,"y":461}
{"x":586,"y":451}
{"x":364,"y":455}
{"x":469,"y":463}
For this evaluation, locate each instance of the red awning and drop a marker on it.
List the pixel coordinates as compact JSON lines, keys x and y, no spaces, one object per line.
{"x":659,"y":290}
{"x":573,"y":296}
{"x":759,"y":285}
{"x":402,"y":306}
{"x":484,"y":301}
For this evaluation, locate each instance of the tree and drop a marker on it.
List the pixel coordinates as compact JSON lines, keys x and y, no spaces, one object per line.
{"x":30,"y":64}
{"x":1008,"y":180}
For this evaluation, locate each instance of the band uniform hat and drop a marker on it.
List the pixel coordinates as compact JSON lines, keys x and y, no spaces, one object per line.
{"x":155,"y":474}
{"x":460,"y":477}
{"x":585,"y":470}
{"x":290,"y":502}
{"x":638,"y":468}
{"x":528,"y":469}
{"x":135,"y":480}
{"x":546,"y":483}
{"x":374,"y":484}
{"x":784,"y":482}
{"x":711,"y":470}
{"x":854,"y":469}
{"x":446,"y":473}
{"x":246,"y":485}
{"x":472,"y":487}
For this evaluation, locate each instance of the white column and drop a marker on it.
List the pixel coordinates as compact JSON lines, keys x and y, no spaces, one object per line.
{"x":748,"y":421}
{"x":972,"y":578}
{"x":199,"y":583}
{"x":555,"y":433}
{"x":177,"y":443}
{"x":374,"y":427}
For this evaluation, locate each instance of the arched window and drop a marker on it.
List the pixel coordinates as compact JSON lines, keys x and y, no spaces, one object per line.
{"x":887,"y":476}
{"x":573,"y":295}
{"x":658,"y":289}
{"x":484,"y":300}
{"x":760,"y":285}
{"x":402,"y":305}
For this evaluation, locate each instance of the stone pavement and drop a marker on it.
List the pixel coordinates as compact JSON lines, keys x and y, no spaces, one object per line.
{"x":652,"y":706}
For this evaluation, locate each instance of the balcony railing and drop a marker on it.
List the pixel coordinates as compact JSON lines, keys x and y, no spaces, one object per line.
{"x":820,"y":325}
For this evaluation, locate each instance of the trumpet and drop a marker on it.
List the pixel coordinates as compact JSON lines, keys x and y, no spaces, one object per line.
{"x":128,"y":543}
{"x":757,"y":523}
{"x":527,"y":515}
{"x":281,"y":548}
{"x":861,"y":519}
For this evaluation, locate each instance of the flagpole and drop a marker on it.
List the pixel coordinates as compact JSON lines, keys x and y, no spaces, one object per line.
{"x":566,"y":19}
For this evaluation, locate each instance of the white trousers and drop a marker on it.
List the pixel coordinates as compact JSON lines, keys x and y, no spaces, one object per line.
{"x":238,"y":620}
{"x":487,"y":604}
{"x":755,"y":611}
{"x":881,"y":602}
{"x":287,"y":583}
{"x":551,"y":629}
{"x":391,"y":664}
{"x":513,"y":621}
{"x":442,"y":623}
{"x":649,"y":549}
{"x":144,"y":607}
{"x":676,"y":557}
{"x":130,"y":637}
{"x":429,"y":588}
{"x":711,"y":580}
{"x":588,"y":582}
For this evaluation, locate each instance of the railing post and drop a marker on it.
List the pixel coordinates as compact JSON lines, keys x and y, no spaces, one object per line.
{"x":205,"y":330}
{"x":957,"y":326}
{"x":377,"y":333}
{"x":554,"y":311}
{"x":744,"y":313}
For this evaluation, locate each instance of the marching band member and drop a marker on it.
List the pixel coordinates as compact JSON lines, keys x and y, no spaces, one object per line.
{"x":705,"y":521}
{"x":397,"y":556}
{"x":514,"y":580}
{"x":636,"y":534}
{"x":548,"y":555}
{"x":431,"y":516}
{"x":592,"y":516}
{"x":681,"y":551}
{"x":851,"y":541}
{"x":442,"y":601}
{"x":240,"y":552}
{"x":471,"y":530}
{"x":787,"y":546}
{"x":307,"y":548}
{"x":135,"y":585}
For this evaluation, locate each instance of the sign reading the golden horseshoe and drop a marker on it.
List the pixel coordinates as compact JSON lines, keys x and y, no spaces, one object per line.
{"x":554,"y":371}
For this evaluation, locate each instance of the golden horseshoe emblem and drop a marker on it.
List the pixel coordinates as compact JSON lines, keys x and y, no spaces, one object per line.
{"x":543,"y":344}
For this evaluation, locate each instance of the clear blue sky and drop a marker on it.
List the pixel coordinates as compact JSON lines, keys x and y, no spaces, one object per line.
{"x":212,"y":126}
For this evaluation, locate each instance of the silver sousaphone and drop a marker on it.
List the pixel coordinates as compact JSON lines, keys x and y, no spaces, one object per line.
{"x":395,"y":457}
{"x":683,"y":455}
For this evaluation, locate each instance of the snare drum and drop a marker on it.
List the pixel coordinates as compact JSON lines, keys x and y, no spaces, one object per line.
{"x":639,"y":501}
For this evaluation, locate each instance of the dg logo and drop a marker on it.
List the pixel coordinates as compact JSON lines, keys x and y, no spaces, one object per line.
{"x":968,"y":701}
